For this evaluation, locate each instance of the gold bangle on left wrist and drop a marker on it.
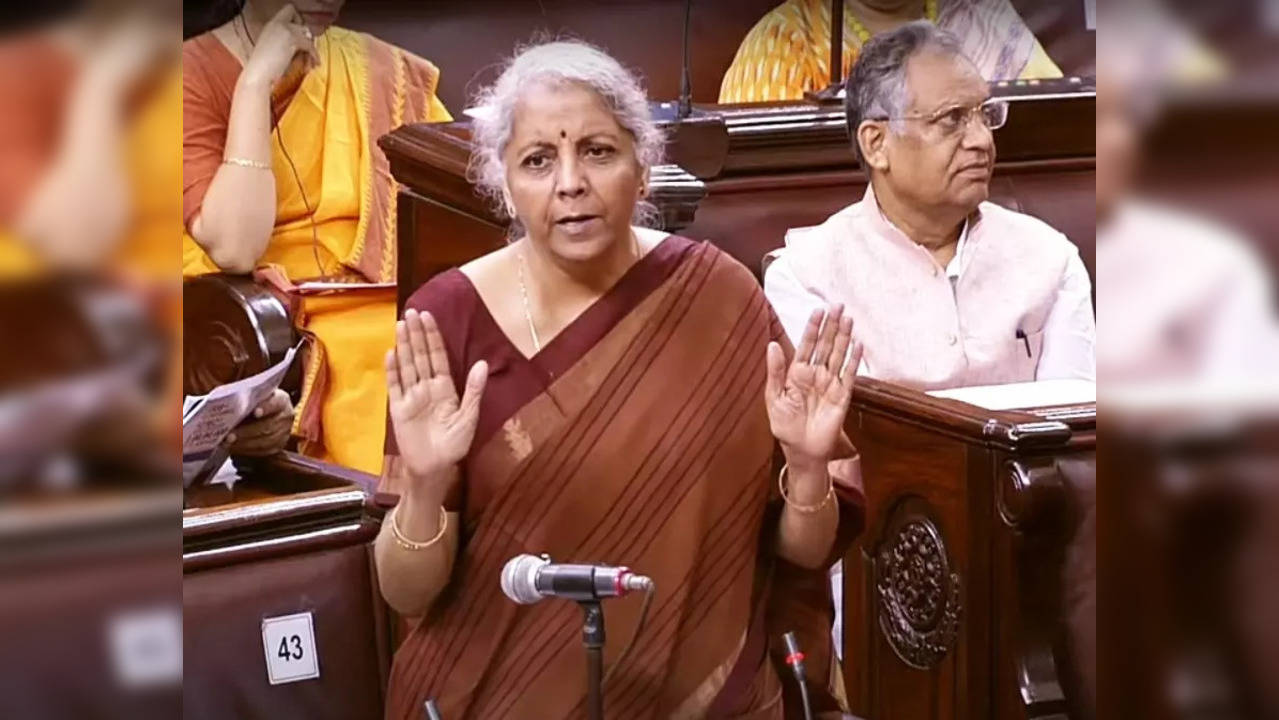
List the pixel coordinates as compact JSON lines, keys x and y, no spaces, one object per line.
{"x":805,"y":509}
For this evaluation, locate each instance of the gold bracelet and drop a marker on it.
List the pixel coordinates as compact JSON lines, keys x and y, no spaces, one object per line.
{"x":805,"y":509}
{"x":408,"y":544}
{"x":242,"y":162}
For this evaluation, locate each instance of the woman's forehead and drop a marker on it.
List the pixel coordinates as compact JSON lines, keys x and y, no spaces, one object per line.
{"x":548,"y":110}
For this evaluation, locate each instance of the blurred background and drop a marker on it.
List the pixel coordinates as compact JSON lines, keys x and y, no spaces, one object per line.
{"x":1188,"y":361}
{"x":90,"y":309}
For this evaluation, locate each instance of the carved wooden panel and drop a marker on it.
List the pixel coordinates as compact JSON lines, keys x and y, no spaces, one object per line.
{"x":917,"y":593}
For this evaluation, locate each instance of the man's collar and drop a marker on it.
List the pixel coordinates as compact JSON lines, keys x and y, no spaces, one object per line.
{"x":874,"y":214}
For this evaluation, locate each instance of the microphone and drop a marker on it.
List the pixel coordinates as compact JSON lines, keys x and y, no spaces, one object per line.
{"x":526,"y":579}
{"x":795,"y":658}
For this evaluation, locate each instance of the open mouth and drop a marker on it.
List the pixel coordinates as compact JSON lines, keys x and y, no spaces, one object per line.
{"x":577,"y":223}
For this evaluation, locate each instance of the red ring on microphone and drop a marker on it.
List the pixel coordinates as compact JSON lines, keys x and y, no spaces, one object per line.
{"x":619,"y":588}
{"x":795,"y":658}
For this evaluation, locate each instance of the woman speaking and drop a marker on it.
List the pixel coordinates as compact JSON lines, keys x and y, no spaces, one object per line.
{"x":605,"y":393}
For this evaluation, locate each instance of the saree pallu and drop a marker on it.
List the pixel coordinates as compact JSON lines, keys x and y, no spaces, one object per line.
{"x":652,"y":449}
{"x":335,"y":220}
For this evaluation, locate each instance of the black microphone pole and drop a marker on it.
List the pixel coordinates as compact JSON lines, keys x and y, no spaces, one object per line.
{"x":795,"y":658}
{"x":686,"y":82}
{"x":593,"y":641}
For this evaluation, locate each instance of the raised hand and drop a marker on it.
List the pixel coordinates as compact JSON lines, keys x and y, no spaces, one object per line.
{"x":283,"y":37}
{"x":432,"y":428}
{"x":807,"y":402}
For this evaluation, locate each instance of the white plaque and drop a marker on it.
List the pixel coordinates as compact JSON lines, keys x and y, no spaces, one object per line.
{"x":289,"y":642}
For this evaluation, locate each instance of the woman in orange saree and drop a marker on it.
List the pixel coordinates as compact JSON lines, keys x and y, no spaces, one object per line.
{"x":644,"y":432}
{"x":282,"y":109}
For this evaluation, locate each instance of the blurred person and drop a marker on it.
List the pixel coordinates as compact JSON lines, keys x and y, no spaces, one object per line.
{"x":652,"y":365}
{"x":281,"y":173}
{"x":83,"y":191}
{"x":787,"y":53}
{"x":946,"y":290}
{"x":82,"y":187}
{"x":1189,"y":299}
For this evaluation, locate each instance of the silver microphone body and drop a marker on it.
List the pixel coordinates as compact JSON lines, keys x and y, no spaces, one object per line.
{"x":526,"y":579}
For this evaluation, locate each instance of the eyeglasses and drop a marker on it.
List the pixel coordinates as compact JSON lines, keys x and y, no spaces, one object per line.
{"x":992,"y":113}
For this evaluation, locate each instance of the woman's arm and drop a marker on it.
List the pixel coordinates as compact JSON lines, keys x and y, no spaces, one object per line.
{"x":810,"y":519}
{"x":80,"y":209}
{"x":433,"y":430}
{"x":411,"y":579}
{"x":807,"y":402}
{"x":237,"y":215}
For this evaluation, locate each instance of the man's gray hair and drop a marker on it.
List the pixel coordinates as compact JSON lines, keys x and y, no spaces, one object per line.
{"x":559,"y":63}
{"x":876,"y":87}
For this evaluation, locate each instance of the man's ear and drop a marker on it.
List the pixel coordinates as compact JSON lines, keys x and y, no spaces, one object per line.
{"x":872,"y":135}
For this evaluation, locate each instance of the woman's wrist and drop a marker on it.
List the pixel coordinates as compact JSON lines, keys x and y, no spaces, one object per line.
{"x":807,"y":482}
{"x":253,"y":84}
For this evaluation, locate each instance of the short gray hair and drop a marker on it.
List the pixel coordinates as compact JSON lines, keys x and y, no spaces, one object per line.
{"x":560,"y":62}
{"x":876,"y":87}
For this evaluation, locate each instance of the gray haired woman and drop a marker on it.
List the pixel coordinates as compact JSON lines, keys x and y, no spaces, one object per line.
{"x":604,"y":393}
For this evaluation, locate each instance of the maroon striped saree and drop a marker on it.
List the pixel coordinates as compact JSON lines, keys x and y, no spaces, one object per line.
{"x":637,"y":436}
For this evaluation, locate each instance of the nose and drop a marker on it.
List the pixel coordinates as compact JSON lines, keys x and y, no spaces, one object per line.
{"x":570,"y":181}
{"x":978,"y":135}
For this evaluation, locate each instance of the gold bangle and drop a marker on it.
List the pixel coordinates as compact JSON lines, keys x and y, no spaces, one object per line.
{"x":242,"y":162}
{"x":408,"y":544}
{"x":805,"y":509}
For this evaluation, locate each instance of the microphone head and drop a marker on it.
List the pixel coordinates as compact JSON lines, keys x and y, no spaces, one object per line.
{"x":519,"y":578}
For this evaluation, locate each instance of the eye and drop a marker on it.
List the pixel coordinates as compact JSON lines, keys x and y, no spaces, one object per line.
{"x":599,"y":152}
{"x":536,"y":161}
{"x":951,"y":119}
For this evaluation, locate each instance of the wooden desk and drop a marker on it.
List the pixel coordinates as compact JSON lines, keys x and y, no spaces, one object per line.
{"x":953,"y":595}
{"x":293,"y":536}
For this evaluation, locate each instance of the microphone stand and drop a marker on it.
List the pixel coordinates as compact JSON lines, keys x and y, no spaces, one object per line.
{"x":830,"y":93}
{"x":593,"y":641}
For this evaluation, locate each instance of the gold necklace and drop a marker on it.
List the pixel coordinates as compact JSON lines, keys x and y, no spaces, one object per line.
{"x":528,"y":310}
{"x":863,"y":34}
{"x":528,"y":313}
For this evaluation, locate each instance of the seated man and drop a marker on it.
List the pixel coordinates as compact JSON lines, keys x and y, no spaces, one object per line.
{"x":787,"y":53}
{"x":282,"y":174}
{"x":945,"y":289}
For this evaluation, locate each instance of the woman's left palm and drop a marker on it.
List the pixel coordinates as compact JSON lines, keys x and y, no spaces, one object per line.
{"x":808,"y":400}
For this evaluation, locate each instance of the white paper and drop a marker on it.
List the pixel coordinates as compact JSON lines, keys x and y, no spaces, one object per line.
{"x":1020,"y":396}
{"x":207,"y":419}
{"x":289,"y":643}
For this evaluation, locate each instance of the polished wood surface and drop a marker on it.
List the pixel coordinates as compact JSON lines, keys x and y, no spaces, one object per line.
{"x":292,"y":535}
{"x":233,"y":328}
{"x":953,"y":595}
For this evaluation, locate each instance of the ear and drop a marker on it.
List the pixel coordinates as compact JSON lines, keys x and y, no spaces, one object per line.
{"x":643,"y":187}
{"x":508,"y":203}
{"x":872,"y":136}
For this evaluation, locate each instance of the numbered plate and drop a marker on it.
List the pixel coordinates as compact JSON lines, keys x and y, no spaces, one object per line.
{"x":289,"y":642}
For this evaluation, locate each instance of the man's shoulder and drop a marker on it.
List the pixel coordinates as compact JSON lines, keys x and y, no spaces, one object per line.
{"x":1000,"y":221}
{"x":832,"y":227}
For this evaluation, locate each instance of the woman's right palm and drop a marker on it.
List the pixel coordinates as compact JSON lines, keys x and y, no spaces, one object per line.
{"x":433,"y":429}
